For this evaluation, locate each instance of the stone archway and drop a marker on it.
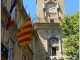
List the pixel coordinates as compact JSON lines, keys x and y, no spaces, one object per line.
{"x":53,"y":46}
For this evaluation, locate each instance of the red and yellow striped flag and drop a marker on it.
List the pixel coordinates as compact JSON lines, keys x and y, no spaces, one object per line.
{"x":24,"y":33}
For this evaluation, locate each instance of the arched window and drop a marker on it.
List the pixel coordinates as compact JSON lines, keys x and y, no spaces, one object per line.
{"x":53,"y":44}
{"x":51,"y":20}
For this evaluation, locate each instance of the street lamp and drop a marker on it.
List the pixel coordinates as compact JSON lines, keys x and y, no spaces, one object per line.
{"x":73,"y":57}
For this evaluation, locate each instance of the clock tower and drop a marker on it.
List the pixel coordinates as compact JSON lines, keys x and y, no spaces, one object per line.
{"x":49,"y":45}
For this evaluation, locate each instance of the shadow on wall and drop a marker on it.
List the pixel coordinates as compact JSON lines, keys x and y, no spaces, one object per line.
{"x":41,"y":46}
{"x":41,"y":51}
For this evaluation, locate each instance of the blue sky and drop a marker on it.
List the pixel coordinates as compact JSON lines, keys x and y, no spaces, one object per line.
{"x":70,"y":5}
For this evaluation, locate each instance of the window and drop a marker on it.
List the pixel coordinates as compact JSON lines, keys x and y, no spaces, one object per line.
{"x":44,"y":9}
{"x":53,"y":46}
{"x":4,"y":51}
{"x":24,"y":58}
{"x":51,"y":20}
{"x":53,"y":51}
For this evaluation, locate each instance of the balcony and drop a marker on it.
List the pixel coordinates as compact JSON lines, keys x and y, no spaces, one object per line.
{"x":56,"y":58}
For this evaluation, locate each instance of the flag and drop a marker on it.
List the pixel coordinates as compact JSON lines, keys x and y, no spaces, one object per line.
{"x":12,"y":12}
{"x":24,"y":33}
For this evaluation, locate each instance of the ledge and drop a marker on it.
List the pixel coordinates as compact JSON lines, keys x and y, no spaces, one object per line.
{"x":57,"y":57}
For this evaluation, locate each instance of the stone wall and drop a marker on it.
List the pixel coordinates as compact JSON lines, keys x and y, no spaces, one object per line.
{"x":20,"y":15}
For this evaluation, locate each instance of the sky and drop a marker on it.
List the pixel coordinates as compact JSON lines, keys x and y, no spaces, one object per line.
{"x":71,"y":6}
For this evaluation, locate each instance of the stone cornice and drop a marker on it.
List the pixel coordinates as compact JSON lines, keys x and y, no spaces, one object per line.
{"x":46,"y":25}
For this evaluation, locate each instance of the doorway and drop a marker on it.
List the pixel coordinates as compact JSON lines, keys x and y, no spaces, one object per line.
{"x":53,"y":51}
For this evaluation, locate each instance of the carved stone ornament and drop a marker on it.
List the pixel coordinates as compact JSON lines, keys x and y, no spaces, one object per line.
{"x":53,"y":32}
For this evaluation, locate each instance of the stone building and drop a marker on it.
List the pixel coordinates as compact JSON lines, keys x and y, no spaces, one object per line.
{"x":47,"y":36}
{"x":10,"y":48}
{"x":50,"y":37}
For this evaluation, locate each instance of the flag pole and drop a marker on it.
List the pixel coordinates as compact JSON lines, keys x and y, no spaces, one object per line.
{"x":10,"y":36}
{"x":15,"y":41}
{"x":13,"y":29}
{"x":26,"y":6}
{"x":11,"y":47}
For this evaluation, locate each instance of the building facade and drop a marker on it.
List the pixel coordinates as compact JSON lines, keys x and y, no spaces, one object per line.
{"x":10,"y":49}
{"x":50,"y":36}
{"x":47,"y":36}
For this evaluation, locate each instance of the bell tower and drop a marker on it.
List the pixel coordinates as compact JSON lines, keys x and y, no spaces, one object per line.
{"x":50,"y":13}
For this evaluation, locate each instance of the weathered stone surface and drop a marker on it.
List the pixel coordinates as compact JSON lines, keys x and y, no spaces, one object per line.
{"x":49,"y":30}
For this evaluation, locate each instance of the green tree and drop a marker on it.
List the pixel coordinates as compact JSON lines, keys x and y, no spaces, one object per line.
{"x":71,"y":31}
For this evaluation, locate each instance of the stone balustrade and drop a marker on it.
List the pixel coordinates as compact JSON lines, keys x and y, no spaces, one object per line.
{"x":56,"y":58}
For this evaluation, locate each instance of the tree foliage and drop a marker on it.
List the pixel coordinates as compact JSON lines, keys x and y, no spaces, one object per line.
{"x":71,"y":31}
